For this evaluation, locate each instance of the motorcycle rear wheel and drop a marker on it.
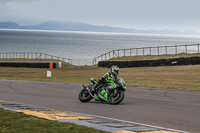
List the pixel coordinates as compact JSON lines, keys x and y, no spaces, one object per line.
{"x":84,"y":96}
{"x":116,"y":98}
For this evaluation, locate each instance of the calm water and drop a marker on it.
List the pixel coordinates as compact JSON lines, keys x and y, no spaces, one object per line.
{"x":82,"y":47}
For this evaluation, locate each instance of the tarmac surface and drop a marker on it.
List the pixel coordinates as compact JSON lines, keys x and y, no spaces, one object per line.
{"x":172,"y":109}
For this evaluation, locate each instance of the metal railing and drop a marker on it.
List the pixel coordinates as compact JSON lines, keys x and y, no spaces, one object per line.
{"x":32,"y":55}
{"x":159,"y":50}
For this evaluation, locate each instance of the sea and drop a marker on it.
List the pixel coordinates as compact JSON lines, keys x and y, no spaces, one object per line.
{"x":83,"y":47}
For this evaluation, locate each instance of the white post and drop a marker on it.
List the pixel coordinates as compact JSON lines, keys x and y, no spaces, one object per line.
{"x":48,"y":74}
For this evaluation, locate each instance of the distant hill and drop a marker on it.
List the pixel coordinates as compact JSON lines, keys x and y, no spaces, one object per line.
{"x":80,"y":26}
{"x":74,"y":26}
{"x":9,"y":25}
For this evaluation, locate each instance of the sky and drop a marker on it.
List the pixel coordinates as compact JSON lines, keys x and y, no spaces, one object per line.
{"x":179,"y":15}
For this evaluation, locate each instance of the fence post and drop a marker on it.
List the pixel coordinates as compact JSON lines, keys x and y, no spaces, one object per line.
{"x":186,"y":49}
{"x":118,"y":52}
{"x":150,"y":50}
{"x":143,"y":50}
{"x":94,"y":61}
{"x":136,"y":51}
{"x":124,"y":53}
{"x":176,"y":49}
{"x":198,"y":48}
{"x":158,"y":50}
{"x":166,"y":49}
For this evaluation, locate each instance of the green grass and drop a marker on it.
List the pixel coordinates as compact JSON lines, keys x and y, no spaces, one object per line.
{"x":164,"y":77}
{"x":12,"y":122}
{"x":167,"y":77}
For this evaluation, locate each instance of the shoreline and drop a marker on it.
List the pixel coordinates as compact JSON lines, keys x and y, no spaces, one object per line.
{"x":109,"y":33}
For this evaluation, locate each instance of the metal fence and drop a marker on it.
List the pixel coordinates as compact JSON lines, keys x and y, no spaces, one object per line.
{"x":32,"y":55}
{"x":159,"y":50}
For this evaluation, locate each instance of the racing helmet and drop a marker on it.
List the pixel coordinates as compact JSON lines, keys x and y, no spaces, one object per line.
{"x":115,"y":70}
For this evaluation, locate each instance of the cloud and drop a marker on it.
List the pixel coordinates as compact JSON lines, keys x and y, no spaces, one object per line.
{"x":19,"y":1}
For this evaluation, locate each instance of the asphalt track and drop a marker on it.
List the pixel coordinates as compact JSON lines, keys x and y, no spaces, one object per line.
{"x":172,"y":109}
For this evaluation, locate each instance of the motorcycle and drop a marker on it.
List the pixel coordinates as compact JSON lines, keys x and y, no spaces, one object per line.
{"x":113,"y":93}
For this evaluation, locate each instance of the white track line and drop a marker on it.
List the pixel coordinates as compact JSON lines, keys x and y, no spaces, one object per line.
{"x":162,"y":128}
{"x":174,"y":130}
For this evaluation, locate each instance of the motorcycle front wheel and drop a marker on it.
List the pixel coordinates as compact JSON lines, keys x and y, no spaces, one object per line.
{"x":116,"y":98}
{"x":84,"y":96}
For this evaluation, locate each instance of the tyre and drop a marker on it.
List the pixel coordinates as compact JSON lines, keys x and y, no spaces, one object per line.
{"x":84,"y":96}
{"x":116,"y":98}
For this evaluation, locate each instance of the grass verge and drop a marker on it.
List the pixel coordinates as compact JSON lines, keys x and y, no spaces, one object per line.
{"x":166,"y":77}
{"x":12,"y":122}
{"x":153,"y":57}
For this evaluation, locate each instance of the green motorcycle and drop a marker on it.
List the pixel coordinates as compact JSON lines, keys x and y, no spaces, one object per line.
{"x":113,"y":95}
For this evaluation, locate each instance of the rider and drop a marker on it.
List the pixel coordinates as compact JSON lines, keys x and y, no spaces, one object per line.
{"x":110,"y":75}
